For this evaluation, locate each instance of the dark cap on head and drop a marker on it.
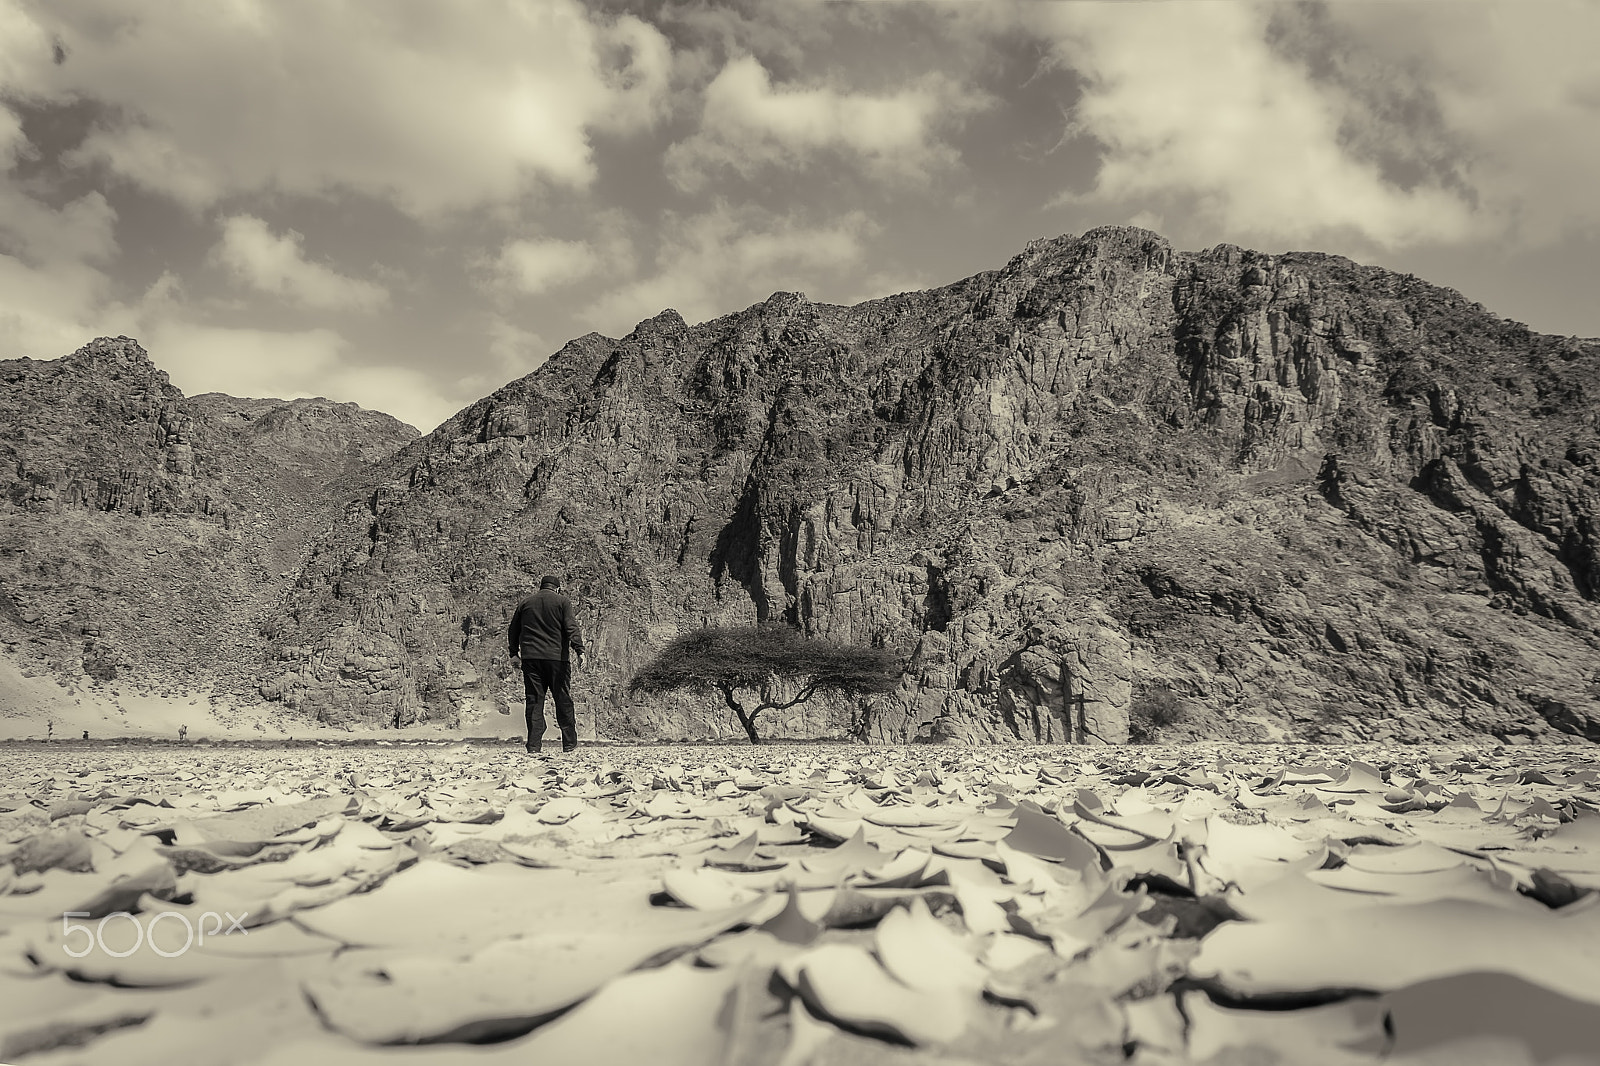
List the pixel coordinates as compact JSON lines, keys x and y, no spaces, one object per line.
{"x":550,"y":581}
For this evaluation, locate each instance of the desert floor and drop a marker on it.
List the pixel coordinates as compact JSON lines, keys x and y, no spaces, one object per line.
{"x":462,"y":903}
{"x":35,"y":705}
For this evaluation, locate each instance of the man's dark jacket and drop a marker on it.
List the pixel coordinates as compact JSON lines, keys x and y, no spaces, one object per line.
{"x":544,"y":625}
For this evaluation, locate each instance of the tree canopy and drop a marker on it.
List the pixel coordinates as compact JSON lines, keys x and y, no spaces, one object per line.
{"x":754,"y":657}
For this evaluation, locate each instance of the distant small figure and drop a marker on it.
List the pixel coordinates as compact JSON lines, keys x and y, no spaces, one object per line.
{"x":183,"y":733}
{"x":49,"y":730}
{"x":85,"y":734}
{"x":543,"y":629}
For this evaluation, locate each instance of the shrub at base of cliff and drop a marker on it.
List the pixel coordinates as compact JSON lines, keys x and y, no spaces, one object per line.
{"x":728,"y":659}
{"x":1154,"y":707}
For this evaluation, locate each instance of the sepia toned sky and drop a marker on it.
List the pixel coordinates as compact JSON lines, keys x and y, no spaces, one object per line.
{"x":408,"y":203}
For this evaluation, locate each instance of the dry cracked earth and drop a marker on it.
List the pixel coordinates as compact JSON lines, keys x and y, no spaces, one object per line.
{"x":799,"y":905}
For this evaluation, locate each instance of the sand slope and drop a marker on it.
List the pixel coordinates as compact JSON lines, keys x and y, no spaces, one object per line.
{"x":29,"y":705}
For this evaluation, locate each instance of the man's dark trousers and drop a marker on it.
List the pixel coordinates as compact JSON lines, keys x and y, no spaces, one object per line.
{"x":549,"y":675}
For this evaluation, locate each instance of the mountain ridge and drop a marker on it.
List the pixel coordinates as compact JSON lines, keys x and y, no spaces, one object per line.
{"x":1314,"y":499}
{"x":1066,"y":325}
{"x":144,"y":534}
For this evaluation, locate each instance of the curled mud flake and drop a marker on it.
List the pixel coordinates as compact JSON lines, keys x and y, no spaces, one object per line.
{"x":1044,"y":836}
{"x":36,"y":1039}
{"x":922,"y":952}
{"x":845,"y":985}
{"x":1470,"y":1007}
{"x":1386,"y":946}
{"x":61,"y":849}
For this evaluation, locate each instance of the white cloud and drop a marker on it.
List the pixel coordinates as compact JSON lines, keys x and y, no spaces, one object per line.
{"x":51,"y":260}
{"x":726,"y":259}
{"x":82,"y":229}
{"x":256,"y":256}
{"x":748,"y":125}
{"x":886,"y":283}
{"x":44,"y":310}
{"x":243,"y":362}
{"x":410,"y":395}
{"x":425,"y":105}
{"x":48,"y":313}
{"x":13,"y":142}
{"x":288,"y":365}
{"x":533,"y":266}
{"x":513,"y":353}
{"x":1146,"y":220}
{"x":1193,"y":107}
{"x":1516,"y":87}
{"x":25,"y":49}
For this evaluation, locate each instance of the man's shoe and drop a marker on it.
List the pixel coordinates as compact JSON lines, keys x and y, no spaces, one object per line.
{"x":568,"y":747}
{"x":533,"y":749}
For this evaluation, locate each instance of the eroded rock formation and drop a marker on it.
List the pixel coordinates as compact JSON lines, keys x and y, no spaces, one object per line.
{"x":1313,"y":499}
{"x":148,"y":534}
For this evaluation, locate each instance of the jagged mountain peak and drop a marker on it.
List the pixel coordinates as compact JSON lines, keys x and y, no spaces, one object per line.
{"x":114,"y":350}
{"x":783,"y":303}
{"x":1101,"y":241}
{"x":667,"y":322}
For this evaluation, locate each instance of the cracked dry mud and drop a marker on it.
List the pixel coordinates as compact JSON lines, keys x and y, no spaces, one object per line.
{"x":800,"y":905}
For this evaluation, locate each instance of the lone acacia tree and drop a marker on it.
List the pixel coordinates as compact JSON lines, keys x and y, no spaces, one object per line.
{"x":754,"y":657}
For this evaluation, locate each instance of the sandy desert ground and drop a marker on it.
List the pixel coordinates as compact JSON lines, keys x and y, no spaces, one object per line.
{"x":35,"y":705}
{"x":463,"y":903}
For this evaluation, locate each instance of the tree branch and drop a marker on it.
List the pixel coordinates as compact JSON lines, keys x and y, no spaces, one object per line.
{"x":805,"y":694}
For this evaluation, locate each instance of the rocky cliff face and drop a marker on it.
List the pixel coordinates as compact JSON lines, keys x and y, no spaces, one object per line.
{"x":144,"y":533}
{"x":1314,"y":499}
{"x":1311,"y":498}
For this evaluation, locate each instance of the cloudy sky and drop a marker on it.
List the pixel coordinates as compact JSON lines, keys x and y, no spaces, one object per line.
{"x":407,"y":203}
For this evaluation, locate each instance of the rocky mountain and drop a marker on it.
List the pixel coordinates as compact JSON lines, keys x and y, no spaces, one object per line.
{"x":147,"y":534}
{"x":1306,"y":497}
{"x":1112,"y":487}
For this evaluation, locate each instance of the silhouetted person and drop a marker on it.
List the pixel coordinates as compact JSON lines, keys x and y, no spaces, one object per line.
{"x":183,"y":733}
{"x":85,"y":734}
{"x":543,"y":628}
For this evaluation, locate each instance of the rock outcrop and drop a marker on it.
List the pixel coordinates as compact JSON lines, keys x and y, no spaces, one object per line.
{"x":147,"y":535}
{"x":1314,"y":499}
{"x":1310,"y":498}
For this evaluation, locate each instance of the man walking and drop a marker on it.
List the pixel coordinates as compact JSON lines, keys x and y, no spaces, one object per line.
{"x":543,"y":627}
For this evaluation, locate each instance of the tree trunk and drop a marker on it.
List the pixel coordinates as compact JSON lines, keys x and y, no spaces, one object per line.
{"x":746,"y":718}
